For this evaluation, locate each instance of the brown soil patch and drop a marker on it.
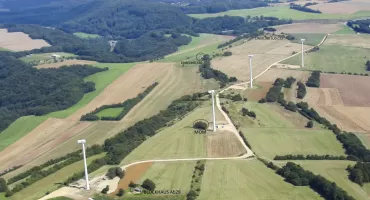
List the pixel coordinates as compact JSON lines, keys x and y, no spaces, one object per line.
{"x":345,"y":7}
{"x":18,"y":41}
{"x":353,"y":40}
{"x":308,"y":28}
{"x":354,"y":90}
{"x":266,"y":52}
{"x":257,"y":94}
{"x":65,"y":63}
{"x":223,"y":144}
{"x":323,"y":97}
{"x":272,"y":74}
{"x":132,"y":173}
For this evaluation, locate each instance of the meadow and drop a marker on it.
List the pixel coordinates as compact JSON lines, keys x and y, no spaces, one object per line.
{"x":44,"y":56}
{"x":345,"y":30}
{"x":334,"y":58}
{"x":238,"y":179}
{"x":171,"y":175}
{"x":109,"y":112}
{"x":311,"y":39}
{"x":283,"y":12}
{"x":336,"y":171}
{"x":85,"y":35}
{"x":51,"y":182}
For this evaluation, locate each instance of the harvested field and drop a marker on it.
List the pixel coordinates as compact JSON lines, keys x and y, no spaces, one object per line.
{"x":133,"y":173}
{"x":352,"y":40}
{"x":65,"y":63}
{"x":323,"y":97}
{"x":272,"y":74}
{"x":354,"y":90}
{"x":258,"y":93}
{"x":18,"y":41}
{"x":223,"y":144}
{"x":345,"y":7}
{"x":266,"y":52}
{"x":308,"y":28}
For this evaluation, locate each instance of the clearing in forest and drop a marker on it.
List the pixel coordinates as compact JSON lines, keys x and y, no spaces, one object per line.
{"x":18,"y":41}
{"x":65,"y":63}
{"x":238,"y":179}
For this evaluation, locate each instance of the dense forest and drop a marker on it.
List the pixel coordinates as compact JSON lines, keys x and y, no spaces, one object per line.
{"x":29,"y":91}
{"x":361,"y":26}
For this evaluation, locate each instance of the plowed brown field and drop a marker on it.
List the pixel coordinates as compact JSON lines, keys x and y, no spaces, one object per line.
{"x":18,"y":41}
{"x":224,"y":144}
{"x":132,"y":173}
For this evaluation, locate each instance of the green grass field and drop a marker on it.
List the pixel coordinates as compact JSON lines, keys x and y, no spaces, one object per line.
{"x":2,"y":196}
{"x":334,"y":58}
{"x":365,"y":139}
{"x":191,"y":54}
{"x":18,"y":129}
{"x":3,"y":49}
{"x":312,"y":39}
{"x":284,"y":12}
{"x":345,"y":30}
{"x":142,"y":197}
{"x":109,"y":112}
{"x":176,"y":141}
{"x":101,"y":80}
{"x":248,"y":179}
{"x":272,"y":133}
{"x":336,"y":171}
{"x":86,"y":35}
{"x":171,"y":175}
{"x":44,"y":56}
{"x":51,"y":182}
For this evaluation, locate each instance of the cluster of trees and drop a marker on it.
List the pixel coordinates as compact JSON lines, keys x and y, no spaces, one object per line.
{"x":303,"y":8}
{"x":367,"y":65}
{"x":24,"y":92}
{"x":38,"y":172}
{"x":361,"y":26}
{"x":115,"y":171}
{"x":3,"y":186}
{"x":203,"y":125}
{"x":289,"y":81}
{"x":239,"y":37}
{"x":148,"y":184}
{"x":225,"y":109}
{"x":227,"y":53}
{"x":301,"y":91}
{"x":270,"y":29}
{"x":310,"y":4}
{"x":309,"y":157}
{"x":126,"y":107}
{"x":245,"y":139}
{"x":196,"y":179}
{"x":316,"y":48}
{"x":360,"y":173}
{"x":105,"y":190}
{"x":314,"y":79}
{"x":297,"y":176}
{"x":207,"y":72}
{"x":274,"y":94}
{"x":10,"y":170}
{"x":309,"y":124}
{"x":246,"y":112}
{"x":289,"y":106}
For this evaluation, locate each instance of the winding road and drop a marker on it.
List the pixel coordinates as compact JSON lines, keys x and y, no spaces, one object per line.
{"x":249,"y":155}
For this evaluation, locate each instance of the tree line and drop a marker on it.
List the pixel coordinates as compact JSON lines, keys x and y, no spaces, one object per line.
{"x":207,"y":72}
{"x":301,"y":91}
{"x":361,"y":26}
{"x":246,"y":112}
{"x":196,"y":180}
{"x":309,"y":157}
{"x":289,"y":81}
{"x":126,"y":107}
{"x":245,"y":139}
{"x":303,"y":8}
{"x":29,"y":91}
{"x":297,"y":176}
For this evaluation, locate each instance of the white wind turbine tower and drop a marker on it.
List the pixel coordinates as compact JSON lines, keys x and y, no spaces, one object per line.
{"x":213,"y":109}
{"x":302,"y":40}
{"x":250,"y":68}
{"x":85,"y":165}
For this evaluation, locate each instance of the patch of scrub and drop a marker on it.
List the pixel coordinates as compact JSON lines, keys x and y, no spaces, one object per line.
{"x":110,"y":112}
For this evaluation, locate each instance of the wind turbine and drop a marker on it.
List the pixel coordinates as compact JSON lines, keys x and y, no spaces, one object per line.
{"x":213,"y":109}
{"x":302,"y":40}
{"x":83,"y":141}
{"x":250,"y":68}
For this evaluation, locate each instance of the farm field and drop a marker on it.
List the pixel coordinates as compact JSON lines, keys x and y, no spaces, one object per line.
{"x":273,"y":73}
{"x":171,"y":175}
{"x":65,"y":63}
{"x":334,"y":58}
{"x":282,"y":132}
{"x":86,"y":35}
{"x":238,"y":179}
{"x":284,"y":12}
{"x":365,"y":139}
{"x":18,"y":41}
{"x":50,"y":182}
{"x":336,"y":171}
{"x":109,"y":112}
{"x":265,"y":52}
{"x":344,"y":7}
{"x":311,"y":39}
{"x":44,"y":56}
{"x":308,"y":28}
{"x":345,"y":30}
{"x":350,"y":40}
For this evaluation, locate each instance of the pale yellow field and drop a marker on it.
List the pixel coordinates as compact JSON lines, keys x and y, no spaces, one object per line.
{"x":18,"y":41}
{"x":353,"y":40}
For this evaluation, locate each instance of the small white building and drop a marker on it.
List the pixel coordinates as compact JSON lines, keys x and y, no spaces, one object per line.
{"x":55,"y":56}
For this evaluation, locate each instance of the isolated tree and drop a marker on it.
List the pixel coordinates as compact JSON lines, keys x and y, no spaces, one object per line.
{"x":192,"y":195}
{"x":105,"y":190}
{"x":309,"y":124}
{"x":121,"y":192}
{"x":148,"y":184}
{"x":132,"y":184}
